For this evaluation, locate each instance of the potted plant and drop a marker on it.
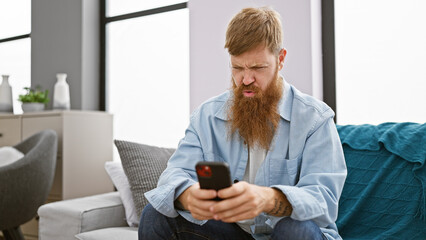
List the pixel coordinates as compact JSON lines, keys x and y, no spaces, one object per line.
{"x":34,"y":100}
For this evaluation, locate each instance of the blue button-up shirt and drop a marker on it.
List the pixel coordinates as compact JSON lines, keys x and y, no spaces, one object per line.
{"x":305,"y":161}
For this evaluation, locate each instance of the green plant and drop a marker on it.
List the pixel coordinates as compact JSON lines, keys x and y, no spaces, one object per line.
{"x":34,"y":96}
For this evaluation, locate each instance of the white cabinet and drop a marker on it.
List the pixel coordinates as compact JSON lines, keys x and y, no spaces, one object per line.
{"x":10,"y":130}
{"x":85,"y":143}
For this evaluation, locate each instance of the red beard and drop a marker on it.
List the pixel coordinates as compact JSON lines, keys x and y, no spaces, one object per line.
{"x":256,"y":118}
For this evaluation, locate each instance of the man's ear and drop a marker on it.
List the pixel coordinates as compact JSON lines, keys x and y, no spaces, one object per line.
{"x":281,"y":57}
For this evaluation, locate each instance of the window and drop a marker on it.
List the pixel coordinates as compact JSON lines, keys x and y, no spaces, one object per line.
{"x":147,"y":71}
{"x":380,"y":57}
{"x":120,"y":7}
{"x":15,"y":46}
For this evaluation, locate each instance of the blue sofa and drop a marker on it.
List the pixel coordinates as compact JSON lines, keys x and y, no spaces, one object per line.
{"x":383,"y":197}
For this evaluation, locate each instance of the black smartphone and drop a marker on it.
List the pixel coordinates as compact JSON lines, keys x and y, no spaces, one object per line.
{"x":213,"y":175}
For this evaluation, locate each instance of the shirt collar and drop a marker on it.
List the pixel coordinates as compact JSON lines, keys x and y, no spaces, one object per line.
{"x":286,"y":101}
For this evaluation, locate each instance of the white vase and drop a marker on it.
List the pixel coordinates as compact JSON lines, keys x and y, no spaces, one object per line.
{"x":61,"y":94}
{"x":6,"y":100}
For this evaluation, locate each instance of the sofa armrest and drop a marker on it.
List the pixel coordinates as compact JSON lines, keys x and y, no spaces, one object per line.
{"x":64,"y":219}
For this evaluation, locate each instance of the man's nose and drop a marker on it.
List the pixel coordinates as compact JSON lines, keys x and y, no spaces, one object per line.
{"x":248,"y":78}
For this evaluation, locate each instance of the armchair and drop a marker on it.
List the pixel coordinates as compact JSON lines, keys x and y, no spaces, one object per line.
{"x":25,"y":184}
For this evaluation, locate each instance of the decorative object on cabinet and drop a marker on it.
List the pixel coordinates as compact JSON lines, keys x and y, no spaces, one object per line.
{"x":34,"y":100}
{"x":85,"y":143}
{"x":32,"y":107}
{"x":61,"y":94}
{"x":6,"y":100}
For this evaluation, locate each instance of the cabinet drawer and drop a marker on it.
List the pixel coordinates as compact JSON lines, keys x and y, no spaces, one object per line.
{"x":10,"y":131}
{"x":32,"y":125}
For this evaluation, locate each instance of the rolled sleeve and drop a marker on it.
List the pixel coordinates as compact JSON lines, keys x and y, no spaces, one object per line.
{"x":178,"y":176}
{"x":161,"y":198}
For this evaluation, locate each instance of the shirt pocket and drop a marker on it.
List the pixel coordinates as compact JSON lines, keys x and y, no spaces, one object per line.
{"x":293,"y":170}
{"x":285,"y":171}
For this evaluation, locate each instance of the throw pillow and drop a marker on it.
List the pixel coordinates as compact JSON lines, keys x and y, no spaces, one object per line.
{"x":143,"y":165}
{"x":119,"y":178}
{"x":9,"y":155}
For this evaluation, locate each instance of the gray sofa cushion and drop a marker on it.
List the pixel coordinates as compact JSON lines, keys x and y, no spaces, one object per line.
{"x":62,"y":220}
{"x":116,"y":233}
{"x":143,"y":165}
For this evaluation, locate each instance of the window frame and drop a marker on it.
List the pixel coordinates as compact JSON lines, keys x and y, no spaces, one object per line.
{"x":329,"y":55}
{"x":9,"y":39}
{"x":104,"y":21}
{"x":17,"y":38}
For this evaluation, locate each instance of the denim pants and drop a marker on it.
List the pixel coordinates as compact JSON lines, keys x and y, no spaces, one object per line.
{"x":154,"y":225}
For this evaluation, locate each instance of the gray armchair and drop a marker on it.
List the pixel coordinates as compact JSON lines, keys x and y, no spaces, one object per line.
{"x":25,"y":184}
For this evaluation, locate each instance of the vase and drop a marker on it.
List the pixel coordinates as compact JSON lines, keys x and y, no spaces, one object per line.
{"x":61,"y":94}
{"x":6,"y":100}
{"x":32,"y":107}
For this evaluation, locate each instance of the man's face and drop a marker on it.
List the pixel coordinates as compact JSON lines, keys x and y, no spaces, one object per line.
{"x":256,"y":67}
{"x":257,"y":90}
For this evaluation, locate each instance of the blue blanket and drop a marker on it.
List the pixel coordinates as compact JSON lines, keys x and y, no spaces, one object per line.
{"x":384,"y":196}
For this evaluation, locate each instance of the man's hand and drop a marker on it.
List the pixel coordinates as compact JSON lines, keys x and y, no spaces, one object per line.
{"x":244,"y":201}
{"x":198,"y":201}
{"x":241,"y":201}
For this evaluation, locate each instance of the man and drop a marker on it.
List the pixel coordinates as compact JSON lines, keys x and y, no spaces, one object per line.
{"x":282,"y":147}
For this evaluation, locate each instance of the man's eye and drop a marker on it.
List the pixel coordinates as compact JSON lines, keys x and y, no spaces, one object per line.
{"x":237,"y":68}
{"x":258,"y":68}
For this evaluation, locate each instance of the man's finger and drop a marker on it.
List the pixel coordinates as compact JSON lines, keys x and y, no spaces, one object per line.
{"x":228,"y":204}
{"x":200,"y":212}
{"x":203,"y":205}
{"x":248,"y":210}
{"x":234,"y":190}
{"x":201,"y":208}
{"x":199,"y":193}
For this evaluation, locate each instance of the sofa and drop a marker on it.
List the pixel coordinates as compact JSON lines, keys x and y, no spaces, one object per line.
{"x":384,"y":196}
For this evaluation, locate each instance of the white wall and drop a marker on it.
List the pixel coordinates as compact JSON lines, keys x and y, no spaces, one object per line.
{"x":209,"y":61}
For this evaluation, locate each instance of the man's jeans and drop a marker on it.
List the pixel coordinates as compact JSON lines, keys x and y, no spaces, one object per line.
{"x":154,"y":225}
